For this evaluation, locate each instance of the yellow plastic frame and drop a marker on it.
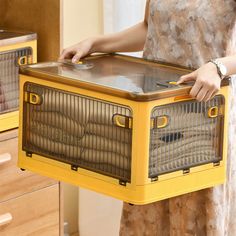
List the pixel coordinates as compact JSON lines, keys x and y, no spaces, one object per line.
{"x":141,"y":190}
{"x":10,"y":120}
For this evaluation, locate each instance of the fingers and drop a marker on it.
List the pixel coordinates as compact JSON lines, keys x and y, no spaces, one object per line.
{"x":196,"y":89}
{"x":204,"y":91}
{"x":71,"y":54}
{"x":207,"y":82}
{"x":62,"y":56}
{"x":186,"y":78}
{"x":211,"y":94}
{"x":67,"y":53}
{"x":77,"y":57}
{"x":202,"y":94}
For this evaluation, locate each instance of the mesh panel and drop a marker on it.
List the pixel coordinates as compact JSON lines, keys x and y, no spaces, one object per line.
{"x":9,"y":81}
{"x":77,"y":130}
{"x":192,"y":135}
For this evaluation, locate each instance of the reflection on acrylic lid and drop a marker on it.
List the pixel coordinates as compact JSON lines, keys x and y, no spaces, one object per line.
{"x":119,"y":73}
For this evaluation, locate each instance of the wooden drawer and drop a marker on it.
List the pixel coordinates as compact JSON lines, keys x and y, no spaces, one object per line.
{"x":13,"y":181}
{"x":34,"y":214}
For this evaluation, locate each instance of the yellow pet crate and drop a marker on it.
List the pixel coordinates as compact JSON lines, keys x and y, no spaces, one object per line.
{"x":16,"y":48}
{"x":122,"y":127}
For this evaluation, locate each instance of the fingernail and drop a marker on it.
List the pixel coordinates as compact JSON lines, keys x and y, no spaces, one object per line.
{"x":74,"y":59}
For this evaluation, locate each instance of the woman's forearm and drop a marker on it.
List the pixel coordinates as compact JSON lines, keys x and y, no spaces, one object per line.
{"x":230,"y":64}
{"x":129,"y":40}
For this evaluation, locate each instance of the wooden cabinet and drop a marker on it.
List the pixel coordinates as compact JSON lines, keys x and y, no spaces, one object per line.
{"x":35,"y":213}
{"x":13,"y":181}
{"x":29,"y":204}
{"x":42,"y":17}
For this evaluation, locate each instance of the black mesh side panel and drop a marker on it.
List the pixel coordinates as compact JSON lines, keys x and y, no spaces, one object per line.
{"x":9,"y":79}
{"x":77,"y":130}
{"x":191,"y":138}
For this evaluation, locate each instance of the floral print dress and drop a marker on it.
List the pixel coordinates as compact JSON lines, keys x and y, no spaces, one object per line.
{"x":190,"y":33}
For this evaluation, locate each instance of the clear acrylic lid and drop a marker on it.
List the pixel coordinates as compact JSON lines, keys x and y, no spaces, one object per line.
{"x":136,"y":77}
{"x":8,"y":37}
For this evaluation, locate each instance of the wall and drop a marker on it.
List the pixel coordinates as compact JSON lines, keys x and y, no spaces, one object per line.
{"x":80,"y":19}
{"x":98,"y":214}
{"x":120,"y":14}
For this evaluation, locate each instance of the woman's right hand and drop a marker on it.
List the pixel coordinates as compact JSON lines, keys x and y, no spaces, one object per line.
{"x":124,"y":41}
{"x":78,"y":50}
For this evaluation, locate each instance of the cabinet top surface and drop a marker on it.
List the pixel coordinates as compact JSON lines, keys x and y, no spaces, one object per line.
{"x":8,"y":37}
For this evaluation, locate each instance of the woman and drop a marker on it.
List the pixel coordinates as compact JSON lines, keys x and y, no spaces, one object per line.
{"x":190,"y":33}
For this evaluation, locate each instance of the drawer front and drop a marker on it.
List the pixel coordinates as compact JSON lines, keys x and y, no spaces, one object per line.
{"x":34,"y":214}
{"x":13,"y":181}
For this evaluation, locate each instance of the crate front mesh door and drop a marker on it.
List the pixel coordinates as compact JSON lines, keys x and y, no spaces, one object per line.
{"x":9,"y":77}
{"x":77,"y":130}
{"x":185,"y":135}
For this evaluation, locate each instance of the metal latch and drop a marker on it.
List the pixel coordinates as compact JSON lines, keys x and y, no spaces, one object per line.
{"x":74,"y":167}
{"x":154,"y":179}
{"x":216,"y":163}
{"x":122,"y":182}
{"x":186,"y":171}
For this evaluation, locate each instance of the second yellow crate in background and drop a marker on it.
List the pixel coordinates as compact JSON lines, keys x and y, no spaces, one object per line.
{"x":16,"y":48}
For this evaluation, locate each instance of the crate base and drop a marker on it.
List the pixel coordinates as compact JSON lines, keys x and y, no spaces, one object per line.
{"x":9,"y":121}
{"x":133,"y":194}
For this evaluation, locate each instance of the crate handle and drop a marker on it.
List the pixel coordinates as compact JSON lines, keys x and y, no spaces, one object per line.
{"x":172,"y":82}
{"x":33,"y":98}
{"x":213,"y":112}
{"x":22,"y":60}
{"x":159,"y":122}
{"x":122,"y":121}
{"x":5,"y":219}
{"x":5,"y":157}
{"x":182,"y":98}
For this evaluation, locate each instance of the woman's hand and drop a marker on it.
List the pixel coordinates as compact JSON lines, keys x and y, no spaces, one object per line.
{"x":124,"y":41}
{"x":207,"y":82}
{"x":78,"y":50}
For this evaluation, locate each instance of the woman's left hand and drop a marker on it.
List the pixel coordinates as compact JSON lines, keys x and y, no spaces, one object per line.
{"x":207,"y":82}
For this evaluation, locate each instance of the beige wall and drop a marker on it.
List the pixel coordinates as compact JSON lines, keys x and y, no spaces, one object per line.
{"x":80,"y":19}
{"x":99,"y":215}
